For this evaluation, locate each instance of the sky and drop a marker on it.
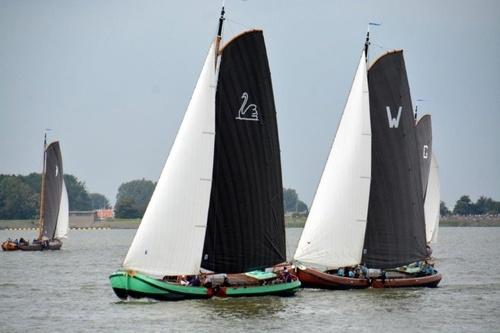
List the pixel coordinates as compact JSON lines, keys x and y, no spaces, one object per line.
{"x":112,"y":80}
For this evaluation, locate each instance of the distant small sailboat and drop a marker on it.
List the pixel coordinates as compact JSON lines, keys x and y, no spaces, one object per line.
{"x":430,"y":179}
{"x":54,"y":208}
{"x":215,"y":219}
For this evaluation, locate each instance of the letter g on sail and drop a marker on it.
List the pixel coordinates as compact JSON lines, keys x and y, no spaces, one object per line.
{"x":249,"y":112}
{"x":426,"y":151}
{"x":393,"y":122}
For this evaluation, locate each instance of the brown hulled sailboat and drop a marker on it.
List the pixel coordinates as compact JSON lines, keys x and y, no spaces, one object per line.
{"x":54,"y":209}
{"x":350,"y":241}
{"x":395,"y":247}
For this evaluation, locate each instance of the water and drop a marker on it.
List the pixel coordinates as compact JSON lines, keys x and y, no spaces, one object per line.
{"x":68,"y":290}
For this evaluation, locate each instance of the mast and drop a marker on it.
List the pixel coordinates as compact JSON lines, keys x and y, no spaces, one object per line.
{"x":416,"y":108}
{"x":367,"y":42}
{"x":42,"y":192}
{"x":219,"y":33}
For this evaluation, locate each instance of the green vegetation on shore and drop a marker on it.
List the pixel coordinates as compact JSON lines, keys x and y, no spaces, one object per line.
{"x":295,"y":221}
{"x":290,"y":222}
{"x":20,"y":196}
{"x":470,"y":221}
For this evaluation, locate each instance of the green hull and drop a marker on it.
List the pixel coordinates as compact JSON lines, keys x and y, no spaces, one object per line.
{"x":279,"y":289}
{"x":138,"y":285}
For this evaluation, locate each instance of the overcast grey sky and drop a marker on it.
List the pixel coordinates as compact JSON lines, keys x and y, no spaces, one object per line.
{"x":112,"y":78}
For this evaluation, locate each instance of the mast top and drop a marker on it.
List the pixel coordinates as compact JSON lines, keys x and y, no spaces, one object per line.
{"x":221,"y":21}
{"x":219,"y":32}
{"x":416,"y":106}
{"x":45,"y":137}
{"x":367,"y":41}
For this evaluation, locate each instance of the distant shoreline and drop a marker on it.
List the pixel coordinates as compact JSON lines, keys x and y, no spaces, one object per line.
{"x":470,"y":221}
{"x":290,"y":222}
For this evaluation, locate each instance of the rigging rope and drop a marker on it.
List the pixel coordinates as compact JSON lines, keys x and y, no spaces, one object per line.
{"x":380,"y":47}
{"x":239,"y":23}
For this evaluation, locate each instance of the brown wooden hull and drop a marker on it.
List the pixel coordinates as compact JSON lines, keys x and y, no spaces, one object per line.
{"x":55,"y":245}
{"x":312,"y":278}
{"x":430,"y":281}
{"x":52,"y":245}
{"x":31,"y":247}
{"x":9,"y":246}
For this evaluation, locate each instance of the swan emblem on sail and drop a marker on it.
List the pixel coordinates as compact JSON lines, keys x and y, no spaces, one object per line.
{"x":247,"y":112}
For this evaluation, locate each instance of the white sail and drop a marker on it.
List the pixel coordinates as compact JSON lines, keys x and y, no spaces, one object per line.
{"x":63,"y":215}
{"x":432,"y":202}
{"x":334,"y":232}
{"x":170,"y":238}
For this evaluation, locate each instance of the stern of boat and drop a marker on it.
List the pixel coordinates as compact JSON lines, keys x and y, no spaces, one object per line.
{"x":136,"y":285}
{"x":428,"y":281}
{"x":278,"y":289}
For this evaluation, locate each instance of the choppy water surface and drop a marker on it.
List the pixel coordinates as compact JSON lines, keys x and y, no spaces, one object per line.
{"x":68,"y":290}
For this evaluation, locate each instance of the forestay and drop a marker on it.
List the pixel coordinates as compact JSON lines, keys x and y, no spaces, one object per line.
{"x":432,"y":202}
{"x":169,"y":240}
{"x":334,"y":232}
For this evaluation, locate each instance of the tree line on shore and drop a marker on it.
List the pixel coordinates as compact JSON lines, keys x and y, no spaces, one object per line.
{"x":465,"y":207}
{"x":20,"y":199}
{"x":133,"y":198}
{"x":20,"y":196}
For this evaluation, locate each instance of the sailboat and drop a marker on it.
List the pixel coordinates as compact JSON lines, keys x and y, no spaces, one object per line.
{"x":395,"y":240}
{"x":333,"y":235}
{"x":430,"y":179}
{"x":215,"y":221}
{"x":366,"y":226}
{"x":54,"y":208}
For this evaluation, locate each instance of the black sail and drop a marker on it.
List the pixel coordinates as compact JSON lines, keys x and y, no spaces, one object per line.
{"x":245,"y":229}
{"x":395,"y":231}
{"x":424,"y":139}
{"x":53,"y":189}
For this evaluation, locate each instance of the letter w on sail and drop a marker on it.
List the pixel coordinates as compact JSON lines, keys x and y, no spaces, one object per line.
{"x":247,"y":112}
{"x":393,"y":122}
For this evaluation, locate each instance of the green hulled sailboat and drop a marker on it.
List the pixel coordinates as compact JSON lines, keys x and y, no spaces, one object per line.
{"x":215,"y":222}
